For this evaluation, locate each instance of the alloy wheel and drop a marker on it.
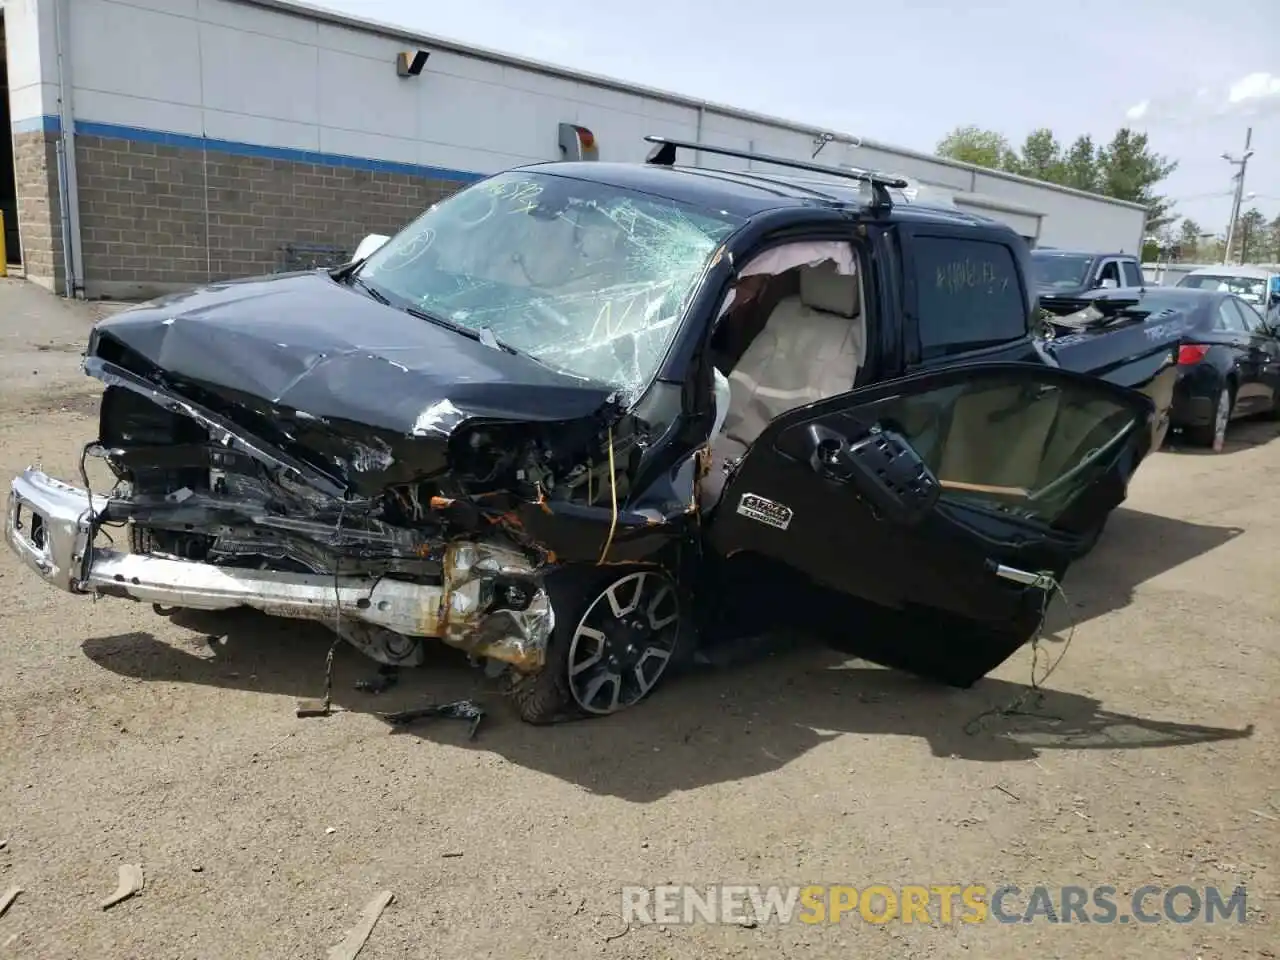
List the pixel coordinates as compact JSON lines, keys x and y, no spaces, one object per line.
{"x":624,"y":641}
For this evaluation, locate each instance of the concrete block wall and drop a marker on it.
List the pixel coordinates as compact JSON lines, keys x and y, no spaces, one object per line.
{"x":160,"y":213}
{"x":35,"y":168}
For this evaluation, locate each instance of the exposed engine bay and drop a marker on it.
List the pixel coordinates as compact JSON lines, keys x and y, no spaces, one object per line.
{"x":228,"y":504}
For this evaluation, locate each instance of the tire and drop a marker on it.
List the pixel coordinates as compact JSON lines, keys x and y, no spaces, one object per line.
{"x":1214,"y":433}
{"x":581,"y":600}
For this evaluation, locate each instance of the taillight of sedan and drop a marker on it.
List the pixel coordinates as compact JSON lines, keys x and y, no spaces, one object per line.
{"x":1190,"y":354}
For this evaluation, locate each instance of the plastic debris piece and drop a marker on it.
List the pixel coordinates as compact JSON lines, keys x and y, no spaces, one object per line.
{"x":467,"y":710}
{"x":6,"y":901}
{"x":355,"y":940}
{"x":131,"y":882}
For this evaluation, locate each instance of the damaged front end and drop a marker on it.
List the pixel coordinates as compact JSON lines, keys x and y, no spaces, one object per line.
{"x":445,"y":529}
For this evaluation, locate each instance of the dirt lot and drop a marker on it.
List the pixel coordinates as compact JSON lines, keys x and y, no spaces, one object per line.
{"x":129,"y":738}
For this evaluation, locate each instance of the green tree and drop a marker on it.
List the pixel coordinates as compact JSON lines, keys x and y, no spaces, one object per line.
{"x":982,"y":148}
{"x":1129,"y":170}
{"x":1080,"y":166}
{"x":1040,"y":158}
{"x":1126,"y":168}
{"x":1249,"y":239}
{"x":1273,"y":240}
{"x":1190,"y":235}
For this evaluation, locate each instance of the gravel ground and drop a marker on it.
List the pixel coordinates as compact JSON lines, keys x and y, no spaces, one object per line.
{"x":129,"y":737}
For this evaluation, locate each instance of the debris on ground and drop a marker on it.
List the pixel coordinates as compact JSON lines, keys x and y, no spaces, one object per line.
{"x":387,"y":677}
{"x":354,"y":941}
{"x":131,"y":882}
{"x":6,"y":901}
{"x":616,"y":933}
{"x":467,"y":710}
{"x":312,"y":708}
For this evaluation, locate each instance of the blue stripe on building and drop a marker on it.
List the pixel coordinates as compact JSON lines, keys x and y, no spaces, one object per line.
{"x":52,"y":124}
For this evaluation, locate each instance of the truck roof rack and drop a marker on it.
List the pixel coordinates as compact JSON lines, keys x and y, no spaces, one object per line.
{"x":664,"y":155}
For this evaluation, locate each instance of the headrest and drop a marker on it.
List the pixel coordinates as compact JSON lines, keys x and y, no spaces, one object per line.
{"x":822,"y":288}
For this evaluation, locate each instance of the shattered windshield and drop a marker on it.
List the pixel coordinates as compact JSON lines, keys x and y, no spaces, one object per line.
{"x":585,"y":277}
{"x":1059,"y":271}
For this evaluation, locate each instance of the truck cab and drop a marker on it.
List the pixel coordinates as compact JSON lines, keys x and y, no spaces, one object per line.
{"x":1069,"y":274}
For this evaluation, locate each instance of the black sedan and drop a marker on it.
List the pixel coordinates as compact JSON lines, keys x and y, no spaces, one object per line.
{"x":1229,"y":359}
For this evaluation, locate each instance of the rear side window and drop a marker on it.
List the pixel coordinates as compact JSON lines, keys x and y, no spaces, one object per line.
{"x":1229,"y":318}
{"x":1252,"y":318}
{"x":969,"y":295}
{"x":1132,"y":275}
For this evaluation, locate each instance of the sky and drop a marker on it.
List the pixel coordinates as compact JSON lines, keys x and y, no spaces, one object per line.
{"x":1192,"y":75}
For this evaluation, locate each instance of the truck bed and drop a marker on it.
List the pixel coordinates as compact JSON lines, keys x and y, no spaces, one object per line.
{"x":1131,"y":349}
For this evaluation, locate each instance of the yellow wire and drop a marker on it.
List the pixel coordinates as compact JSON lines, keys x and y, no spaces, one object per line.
{"x":613,"y":498}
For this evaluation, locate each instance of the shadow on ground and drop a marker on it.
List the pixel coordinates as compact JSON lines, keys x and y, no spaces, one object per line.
{"x":708,"y":727}
{"x":717,"y":725}
{"x":1134,"y":548}
{"x":713,"y":725}
{"x":1241,"y":435}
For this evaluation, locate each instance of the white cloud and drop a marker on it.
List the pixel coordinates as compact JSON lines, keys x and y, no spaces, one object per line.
{"x":1254,"y":88}
{"x":1253,"y":94}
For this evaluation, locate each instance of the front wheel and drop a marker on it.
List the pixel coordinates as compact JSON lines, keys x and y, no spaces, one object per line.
{"x":615,"y":635}
{"x":1214,"y":433}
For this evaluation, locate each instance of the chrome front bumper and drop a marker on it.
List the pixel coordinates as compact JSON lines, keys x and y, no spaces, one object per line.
{"x":47,"y":525}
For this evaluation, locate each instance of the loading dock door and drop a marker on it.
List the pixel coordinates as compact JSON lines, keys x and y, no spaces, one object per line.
{"x":8,"y":185}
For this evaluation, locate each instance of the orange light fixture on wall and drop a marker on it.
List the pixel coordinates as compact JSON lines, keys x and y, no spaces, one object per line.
{"x":577,"y":143}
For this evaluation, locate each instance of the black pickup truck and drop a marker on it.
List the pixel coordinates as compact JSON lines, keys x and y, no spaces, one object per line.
{"x":580,"y":418}
{"x":1064,"y":275}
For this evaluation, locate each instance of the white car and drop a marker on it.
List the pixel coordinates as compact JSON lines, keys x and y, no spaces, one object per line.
{"x":1259,"y":286}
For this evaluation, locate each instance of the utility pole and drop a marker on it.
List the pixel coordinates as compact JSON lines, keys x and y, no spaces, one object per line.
{"x":1242,"y":163}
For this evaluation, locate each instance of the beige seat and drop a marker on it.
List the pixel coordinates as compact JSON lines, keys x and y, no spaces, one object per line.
{"x":996,"y":440}
{"x":810,"y":349}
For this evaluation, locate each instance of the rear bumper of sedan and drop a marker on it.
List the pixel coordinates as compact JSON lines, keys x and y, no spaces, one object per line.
{"x":1194,"y":394}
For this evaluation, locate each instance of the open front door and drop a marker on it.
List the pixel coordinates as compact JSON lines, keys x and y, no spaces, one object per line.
{"x":921,"y":523}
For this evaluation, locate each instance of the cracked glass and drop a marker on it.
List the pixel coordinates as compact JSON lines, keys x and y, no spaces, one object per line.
{"x":586,"y":277}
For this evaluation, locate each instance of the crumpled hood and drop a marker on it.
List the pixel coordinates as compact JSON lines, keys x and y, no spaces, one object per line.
{"x":305,"y":343}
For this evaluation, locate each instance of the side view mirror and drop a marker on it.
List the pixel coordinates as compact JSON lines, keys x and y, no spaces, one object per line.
{"x":1108,"y":284}
{"x":368,"y":246}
